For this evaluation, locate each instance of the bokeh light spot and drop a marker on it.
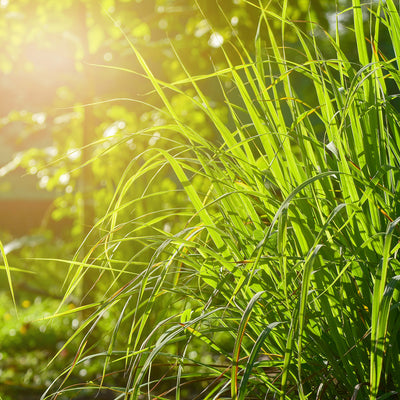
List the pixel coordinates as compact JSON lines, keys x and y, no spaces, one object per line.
{"x":216,"y":40}
{"x":26,"y":303}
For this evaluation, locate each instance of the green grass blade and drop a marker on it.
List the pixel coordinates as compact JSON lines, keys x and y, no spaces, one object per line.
{"x":253,"y":358}
{"x":8,"y":273}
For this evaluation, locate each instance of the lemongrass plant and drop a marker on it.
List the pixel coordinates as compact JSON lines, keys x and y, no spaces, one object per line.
{"x":282,"y":285}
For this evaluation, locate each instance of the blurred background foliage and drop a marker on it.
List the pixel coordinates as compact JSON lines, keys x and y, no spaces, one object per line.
{"x":66,"y":98}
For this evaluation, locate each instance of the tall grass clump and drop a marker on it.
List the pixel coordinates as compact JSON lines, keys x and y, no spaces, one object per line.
{"x":282,"y":284}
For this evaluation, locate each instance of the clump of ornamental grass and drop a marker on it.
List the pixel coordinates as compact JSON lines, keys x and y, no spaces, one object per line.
{"x":282,"y":284}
